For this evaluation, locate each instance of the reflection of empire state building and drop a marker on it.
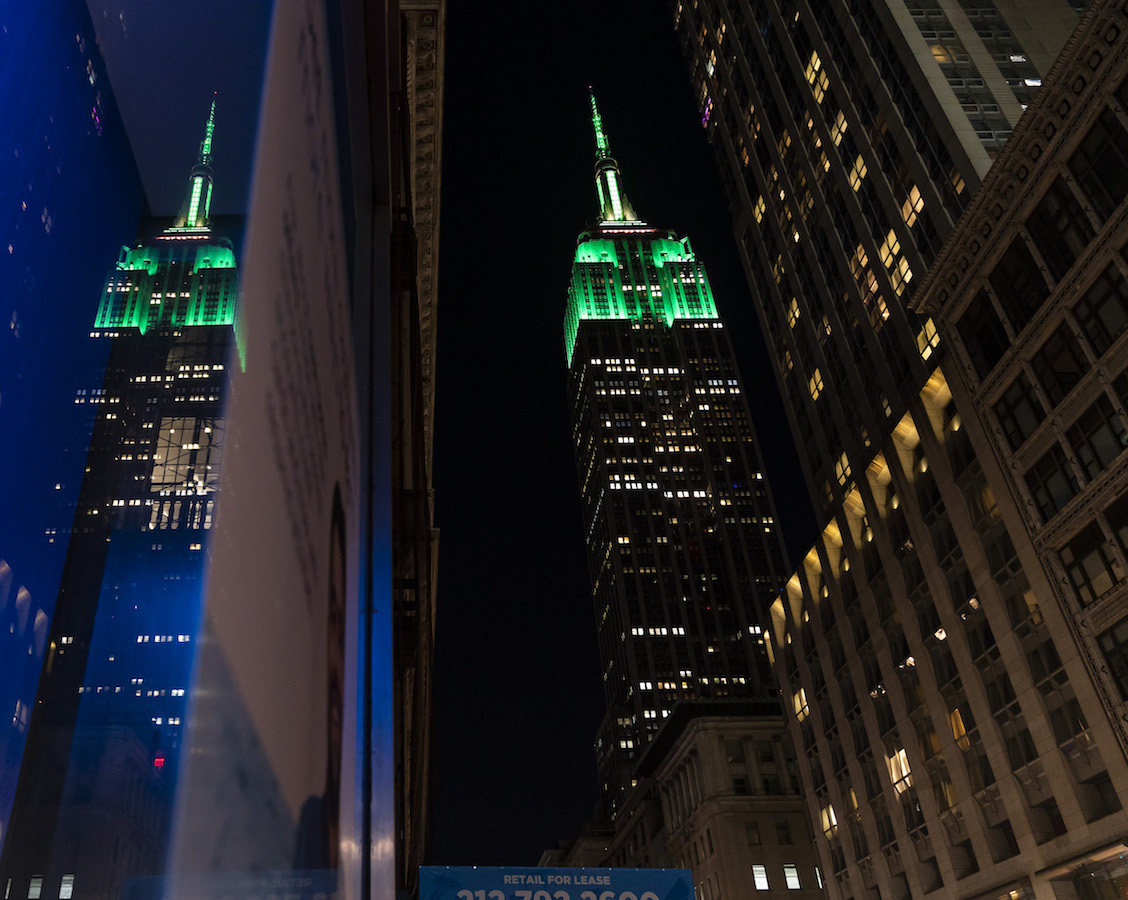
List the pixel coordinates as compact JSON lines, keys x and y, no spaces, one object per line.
{"x":94,"y":802}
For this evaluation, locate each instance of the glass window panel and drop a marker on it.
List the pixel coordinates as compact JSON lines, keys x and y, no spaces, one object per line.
{"x":1100,"y":164}
{"x":1019,"y":411}
{"x":1019,"y":284}
{"x":1102,"y":312}
{"x":1060,"y":228}
{"x":1091,"y":563}
{"x":1098,"y":436}
{"x":1059,"y":363}
{"x":1052,"y":482}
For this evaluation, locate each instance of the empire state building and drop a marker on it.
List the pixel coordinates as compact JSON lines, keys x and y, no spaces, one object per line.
{"x":94,"y":799}
{"x":684,"y":550}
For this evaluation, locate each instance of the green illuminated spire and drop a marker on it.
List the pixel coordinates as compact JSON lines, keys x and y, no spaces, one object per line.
{"x":614,"y":205}
{"x":209,"y":129}
{"x":197,"y":208}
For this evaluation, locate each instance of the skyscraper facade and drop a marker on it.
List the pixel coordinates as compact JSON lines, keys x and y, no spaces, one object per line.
{"x":851,"y":136}
{"x":95,"y":794}
{"x":936,"y":705}
{"x":684,"y":551}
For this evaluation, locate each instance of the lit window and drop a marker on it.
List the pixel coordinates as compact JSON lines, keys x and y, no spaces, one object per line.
{"x":66,"y":889}
{"x":928,"y":339}
{"x":799,"y":700}
{"x":816,"y":77}
{"x":760,"y":877}
{"x":899,"y":272}
{"x":842,"y":469}
{"x":857,"y":172}
{"x":912,"y":206}
{"x":791,"y":876}
{"x":838,"y":128}
{"x":815,"y":385}
{"x":793,"y":312}
{"x":35,"y":887}
{"x":899,"y":772}
{"x":959,"y":732}
{"x":829,"y":820}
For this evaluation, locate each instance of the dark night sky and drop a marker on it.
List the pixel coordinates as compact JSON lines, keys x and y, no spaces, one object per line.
{"x":518,"y":692}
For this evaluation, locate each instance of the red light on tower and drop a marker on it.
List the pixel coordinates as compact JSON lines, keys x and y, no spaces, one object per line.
{"x":159,"y":761}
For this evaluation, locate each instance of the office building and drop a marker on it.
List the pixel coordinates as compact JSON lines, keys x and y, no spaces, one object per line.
{"x":684,"y":552}
{"x":849,"y":143}
{"x":945,"y":707}
{"x":1032,"y":324}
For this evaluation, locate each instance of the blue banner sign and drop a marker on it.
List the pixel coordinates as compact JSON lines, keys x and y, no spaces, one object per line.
{"x":521,"y":883}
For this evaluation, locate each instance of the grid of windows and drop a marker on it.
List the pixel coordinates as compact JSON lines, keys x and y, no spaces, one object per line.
{"x":1100,"y":164}
{"x":1102,"y":313}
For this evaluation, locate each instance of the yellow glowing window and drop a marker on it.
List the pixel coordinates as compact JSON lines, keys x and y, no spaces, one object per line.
{"x":842,"y":469}
{"x":815,"y":385}
{"x":829,"y":820}
{"x":859,"y":261}
{"x":793,"y":312}
{"x":817,"y":77}
{"x":959,"y":732}
{"x":928,"y":339}
{"x":838,"y":128}
{"x":890,"y":247}
{"x":899,"y":272}
{"x":899,"y":773}
{"x":799,"y":700}
{"x":857,"y":172}
{"x":758,"y":209}
{"x":912,"y":206}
